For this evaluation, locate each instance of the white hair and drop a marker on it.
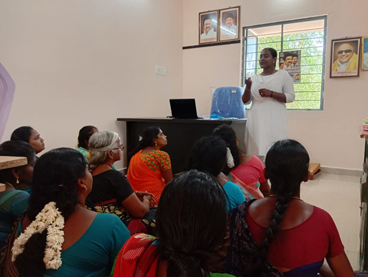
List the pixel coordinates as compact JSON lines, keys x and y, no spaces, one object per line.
{"x":99,"y":145}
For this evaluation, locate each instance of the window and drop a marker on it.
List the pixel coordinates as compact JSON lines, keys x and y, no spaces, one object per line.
{"x":306,"y":35}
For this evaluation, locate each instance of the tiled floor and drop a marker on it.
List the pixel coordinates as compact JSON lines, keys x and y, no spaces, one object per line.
{"x":340,"y":196}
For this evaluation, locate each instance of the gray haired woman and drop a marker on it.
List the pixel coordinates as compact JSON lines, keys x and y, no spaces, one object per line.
{"x":111,"y":192}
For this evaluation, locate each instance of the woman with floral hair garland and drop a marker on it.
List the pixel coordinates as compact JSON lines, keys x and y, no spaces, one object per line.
{"x":58,"y":236}
{"x":247,"y":170}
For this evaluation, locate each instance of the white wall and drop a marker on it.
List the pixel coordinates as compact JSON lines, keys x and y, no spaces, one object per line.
{"x":332,"y":135}
{"x":88,"y":62}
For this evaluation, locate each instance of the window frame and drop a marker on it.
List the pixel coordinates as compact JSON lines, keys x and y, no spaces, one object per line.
{"x":282,"y":23}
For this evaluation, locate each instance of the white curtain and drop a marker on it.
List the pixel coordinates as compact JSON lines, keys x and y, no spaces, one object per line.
{"x":7,"y":88}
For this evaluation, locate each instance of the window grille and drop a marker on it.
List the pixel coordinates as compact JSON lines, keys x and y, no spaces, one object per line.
{"x":307,"y":35}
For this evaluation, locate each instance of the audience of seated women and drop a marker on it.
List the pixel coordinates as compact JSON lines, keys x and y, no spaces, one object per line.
{"x":59,"y":236}
{"x":247,"y":171}
{"x":12,"y":201}
{"x":209,"y":155}
{"x":282,"y":234}
{"x":191,"y":223}
{"x":29,"y":135}
{"x":112,"y":192}
{"x":150,"y":168}
{"x":272,"y":236}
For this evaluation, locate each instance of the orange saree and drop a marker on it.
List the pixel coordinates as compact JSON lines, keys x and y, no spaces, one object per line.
{"x":145,"y":172}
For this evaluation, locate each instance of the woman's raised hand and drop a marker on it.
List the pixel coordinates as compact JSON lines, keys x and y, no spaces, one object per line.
{"x":248,"y":83}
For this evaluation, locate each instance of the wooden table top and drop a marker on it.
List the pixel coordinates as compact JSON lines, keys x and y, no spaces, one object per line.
{"x":12,"y":161}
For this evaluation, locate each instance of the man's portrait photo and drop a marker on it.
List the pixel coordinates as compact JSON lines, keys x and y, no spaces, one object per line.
{"x":291,"y":61}
{"x":364,"y":47}
{"x":229,"y":24}
{"x":208,"y":25}
{"x":345,"y":57}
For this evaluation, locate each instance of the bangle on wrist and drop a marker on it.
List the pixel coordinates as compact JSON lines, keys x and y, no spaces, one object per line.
{"x":271,"y":95}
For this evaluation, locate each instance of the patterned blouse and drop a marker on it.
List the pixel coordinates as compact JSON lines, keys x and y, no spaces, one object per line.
{"x":157,"y":160}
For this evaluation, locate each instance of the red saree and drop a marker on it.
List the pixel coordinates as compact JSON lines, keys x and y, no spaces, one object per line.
{"x":138,"y":257}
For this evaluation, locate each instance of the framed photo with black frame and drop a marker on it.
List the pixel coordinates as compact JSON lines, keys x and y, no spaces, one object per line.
{"x":345,"y":57}
{"x":208,"y":27}
{"x":229,"y":24}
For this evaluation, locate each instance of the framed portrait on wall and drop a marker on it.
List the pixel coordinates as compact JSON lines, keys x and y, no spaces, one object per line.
{"x":229,"y":24}
{"x":208,"y":26}
{"x":345,"y":57}
{"x":364,"y":53}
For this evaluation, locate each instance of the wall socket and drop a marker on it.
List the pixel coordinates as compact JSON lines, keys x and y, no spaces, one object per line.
{"x":160,"y":70}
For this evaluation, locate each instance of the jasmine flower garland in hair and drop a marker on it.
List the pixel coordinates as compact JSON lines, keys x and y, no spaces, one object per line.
{"x":51,"y":219}
{"x":230,"y":160}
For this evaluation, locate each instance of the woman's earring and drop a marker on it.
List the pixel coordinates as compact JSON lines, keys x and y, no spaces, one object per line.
{"x":17,"y":180}
{"x":156,"y":144}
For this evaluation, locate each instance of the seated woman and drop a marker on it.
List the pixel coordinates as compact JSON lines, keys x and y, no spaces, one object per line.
{"x":29,"y":135}
{"x":209,"y":155}
{"x":150,"y":168}
{"x":191,"y":223}
{"x":112,"y":192}
{"x":83,"y":137}
{"x":13,"y":202}
{"x":59,"y":236}
{"x":247,"y":171}
{"x":281,"y":233}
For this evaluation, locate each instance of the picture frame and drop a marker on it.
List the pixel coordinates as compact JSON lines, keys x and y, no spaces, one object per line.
{"x":345,"y":64}
{"x":229,"y":24}
{"x":208,"y":27}
{"x":364,"y":53}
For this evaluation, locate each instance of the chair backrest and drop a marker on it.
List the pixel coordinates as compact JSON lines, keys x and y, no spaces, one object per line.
{"x":227,"y":102}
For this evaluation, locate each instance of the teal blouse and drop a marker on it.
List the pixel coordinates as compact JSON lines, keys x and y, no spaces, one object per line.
{"x":12,"y":203}
{"x":235,"y":195}
{"x":94,"y":253}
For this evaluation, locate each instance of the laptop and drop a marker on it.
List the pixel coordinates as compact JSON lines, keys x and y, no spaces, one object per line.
{"x":183,"y":108}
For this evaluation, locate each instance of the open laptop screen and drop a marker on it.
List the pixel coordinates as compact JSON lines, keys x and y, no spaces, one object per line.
{"x":183,"y":108}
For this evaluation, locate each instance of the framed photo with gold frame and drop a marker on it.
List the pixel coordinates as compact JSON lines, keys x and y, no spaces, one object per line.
{"x":345,"y":57}
{"x":229,"y":24}
{"x":208,"y":27}
{"x":364,"y":53}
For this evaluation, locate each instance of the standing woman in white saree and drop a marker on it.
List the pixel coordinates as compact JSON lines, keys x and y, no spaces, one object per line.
{"x":267,"y":117}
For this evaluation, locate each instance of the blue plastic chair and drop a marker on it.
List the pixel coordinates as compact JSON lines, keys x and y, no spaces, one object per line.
{"x":227,"y":103}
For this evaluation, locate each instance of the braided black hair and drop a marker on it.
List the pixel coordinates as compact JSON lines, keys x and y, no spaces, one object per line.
{"x":286,"y":165}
